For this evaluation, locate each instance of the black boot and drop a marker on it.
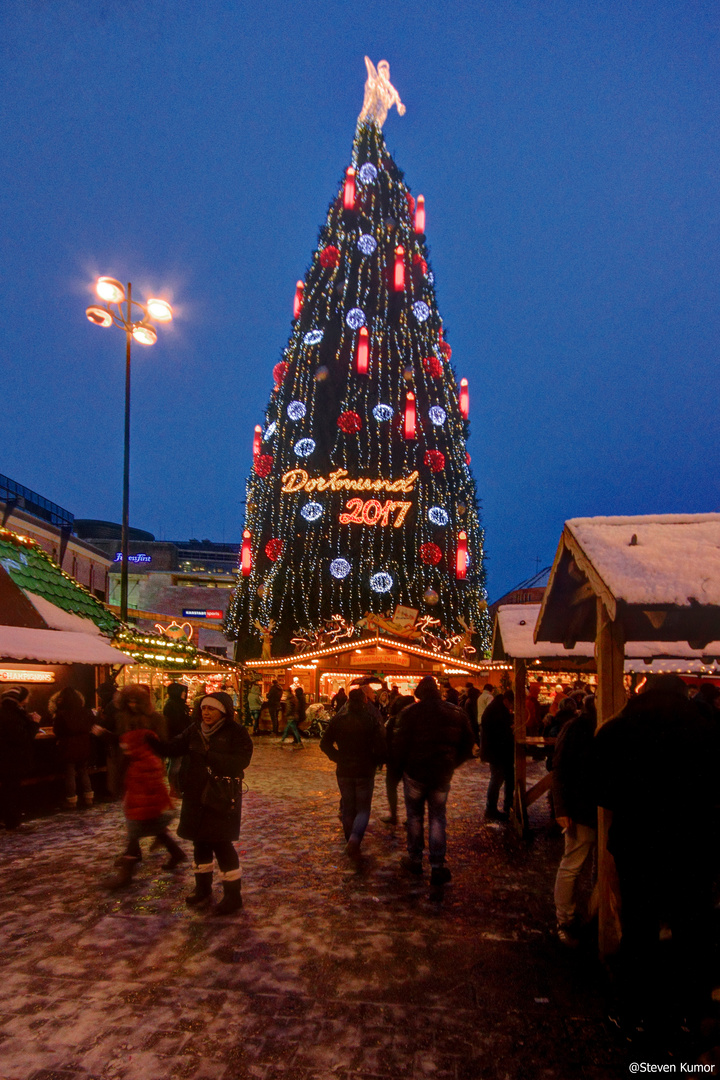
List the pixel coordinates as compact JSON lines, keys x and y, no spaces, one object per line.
{"x":126,"y":867}
{"x":232,"y":898}
{"x":203,"y":891}
{"x":177,"y":855}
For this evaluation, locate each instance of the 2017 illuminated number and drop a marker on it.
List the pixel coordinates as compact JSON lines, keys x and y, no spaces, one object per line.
{"x":373,"y":512}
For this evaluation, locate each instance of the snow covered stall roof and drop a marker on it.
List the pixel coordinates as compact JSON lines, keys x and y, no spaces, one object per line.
{"x":513,"y":639}
{"x":657,"y":575}
{"x":45,"y":616}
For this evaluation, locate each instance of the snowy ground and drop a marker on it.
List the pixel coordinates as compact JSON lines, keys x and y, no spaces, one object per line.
{"x":328,"y":972}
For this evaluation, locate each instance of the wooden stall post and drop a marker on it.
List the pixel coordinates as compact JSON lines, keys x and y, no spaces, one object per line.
{"x":519,"y":816}
{"x":610,"y":656}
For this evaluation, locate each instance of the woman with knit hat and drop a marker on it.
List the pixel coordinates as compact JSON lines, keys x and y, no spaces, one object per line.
{"x":217,"y":750}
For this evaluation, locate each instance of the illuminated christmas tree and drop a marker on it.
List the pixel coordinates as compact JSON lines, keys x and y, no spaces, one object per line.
{"x":361,"y":498}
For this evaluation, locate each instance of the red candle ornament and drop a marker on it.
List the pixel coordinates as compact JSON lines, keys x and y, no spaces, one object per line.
{"x":461,"y":557}
{"x":257,"y":440}
{"x":349,"y":190}
{"x":409,"y":424}
{"x":464,"y":399}
{"x":363,"y":351}
{"x":420,"y":214}
{"x":298,"y":301}
{"x":399,"y":272}
{"x":246,"y":554}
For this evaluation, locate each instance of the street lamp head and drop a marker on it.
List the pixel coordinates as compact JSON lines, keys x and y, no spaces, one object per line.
{"x":99,"y":316}
{"x":159,"y":310}
{"x":144,"y":333}
{"x":110,"y":290}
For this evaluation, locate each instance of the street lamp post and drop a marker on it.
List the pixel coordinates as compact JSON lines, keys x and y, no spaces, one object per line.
{"x":111,"y":314}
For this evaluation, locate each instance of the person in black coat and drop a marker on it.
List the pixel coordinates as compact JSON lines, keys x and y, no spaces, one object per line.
{"x":355,"y":740}
{"x":177,"y":714}
{"x":392,"y":776}
{"x":657,"y":766}
{"x":215,"y":747}
{"x":273,"y":699}
{"x":17,"y":732}
{"x":575,"y":803}
{"x":72,"y":724}
{"x":431,"y":739}
{"x":497,"y":748}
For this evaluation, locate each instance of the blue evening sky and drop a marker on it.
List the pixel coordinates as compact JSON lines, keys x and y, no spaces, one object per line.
{"x":568,"y":153}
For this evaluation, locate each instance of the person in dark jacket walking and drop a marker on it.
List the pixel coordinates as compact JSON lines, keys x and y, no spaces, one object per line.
{"x":290,"y":704}
{"x":216,"y":747}
{"x":274,"y":698}
{"x":497,"y":748}
{"x":177,"y":718}
{"x":176,"y":710}
{"x":657,"y":769}
{"x":431,"y":739}
{"x":72,"y":725}
{"x":392,"y":776}
{"x":355,"y":740}
{"x":574,"y":799}
{"x":17,"y":732}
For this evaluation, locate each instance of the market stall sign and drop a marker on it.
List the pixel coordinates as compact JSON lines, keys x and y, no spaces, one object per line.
{"x":379,"y":658}
{"x":15,"y":675}
{"x":202,"y":613}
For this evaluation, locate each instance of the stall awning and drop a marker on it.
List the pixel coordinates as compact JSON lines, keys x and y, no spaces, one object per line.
{"x":57,"y":647}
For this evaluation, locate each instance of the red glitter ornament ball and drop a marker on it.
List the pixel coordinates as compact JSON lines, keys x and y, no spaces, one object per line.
{"x":435,"y":460}
{"x":411,"y":203}
{"x":349,"y":422}
{"x":468,"y":459}
{"x":433,"y":366}
{"x":445,"y":350}
{"x":273,"y":549}
{"x":329,"y":256}
{"x":263,"y":465}
{"x":430,"y":554}
{"x":280,"y":371}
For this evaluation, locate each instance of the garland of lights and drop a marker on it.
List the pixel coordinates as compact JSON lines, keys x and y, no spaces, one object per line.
{"x":367,"y":344}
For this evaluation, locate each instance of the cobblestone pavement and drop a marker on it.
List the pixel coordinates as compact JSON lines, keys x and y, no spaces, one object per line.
{"x":328,"y":971}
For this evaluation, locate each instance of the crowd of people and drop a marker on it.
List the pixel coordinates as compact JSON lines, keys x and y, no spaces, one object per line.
{"x":654,"y":767}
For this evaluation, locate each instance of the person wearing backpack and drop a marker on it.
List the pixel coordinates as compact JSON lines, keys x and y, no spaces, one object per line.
{"x":355,"y":740}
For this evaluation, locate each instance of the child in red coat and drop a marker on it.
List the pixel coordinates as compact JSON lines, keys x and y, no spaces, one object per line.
{"x":147,"y":805}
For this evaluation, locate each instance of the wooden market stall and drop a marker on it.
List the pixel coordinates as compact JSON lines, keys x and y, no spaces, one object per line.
{"x":514,"y":642}
{"x":53,"y":634}
{"x":322,"y":670}
{"x":632,"y":579}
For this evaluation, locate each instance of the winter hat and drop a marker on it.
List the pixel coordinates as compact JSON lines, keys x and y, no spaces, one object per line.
{"x":215,"y":702}
{"x":426,"y":688}
{"x":15,"y":693}
{"x":665,"y":684}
